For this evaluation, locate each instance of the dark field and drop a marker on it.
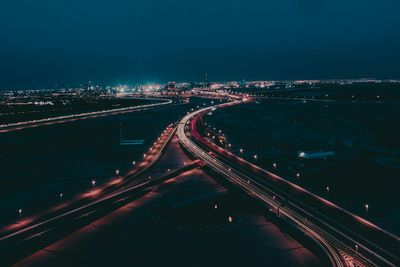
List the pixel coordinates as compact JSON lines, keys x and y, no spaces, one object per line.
{"x":342,"y":91}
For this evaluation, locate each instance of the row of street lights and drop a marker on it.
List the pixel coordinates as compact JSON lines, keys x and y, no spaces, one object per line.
{"x":117,"y":173}
{"x":275,"y":165}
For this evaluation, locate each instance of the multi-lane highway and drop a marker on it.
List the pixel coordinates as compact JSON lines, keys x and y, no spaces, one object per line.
{"x":81,"y":116}
{"x":347,"y":239}
{"x":31,"y":233}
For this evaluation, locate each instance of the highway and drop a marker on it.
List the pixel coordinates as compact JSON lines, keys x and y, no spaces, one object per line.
{"x":31,"y":233}
{"x":347,"y":239}
{"x":82,"y":116}
{"x":20,"y":244}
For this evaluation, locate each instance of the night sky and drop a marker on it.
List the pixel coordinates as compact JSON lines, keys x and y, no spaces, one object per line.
{"x":68,"y":42}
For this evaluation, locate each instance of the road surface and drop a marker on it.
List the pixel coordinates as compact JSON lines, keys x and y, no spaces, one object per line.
{"x":82,"y":116}
{"x":347,"y":239}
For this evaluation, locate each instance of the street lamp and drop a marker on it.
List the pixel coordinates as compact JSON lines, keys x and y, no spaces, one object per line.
{"x":255,"y":156}
{"x":20,"y":212}
{"x":298,"y":175}
{"x":327,"y":189}
{"x":241,"y":150}
{"x":133,"y":163}
{"x":93,"y":183}
{"x":274,"y":164}
{"x":366,"y":208}
{"x":116,"y":172}
{"x":61,"y":196}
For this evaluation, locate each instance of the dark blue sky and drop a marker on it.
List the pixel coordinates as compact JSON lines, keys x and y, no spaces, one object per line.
{"x":67,"y":42}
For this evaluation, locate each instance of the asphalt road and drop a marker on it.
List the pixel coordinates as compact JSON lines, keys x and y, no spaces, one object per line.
{"x":176,"y":224}
{"x":30,"y":232}
{"x":336,"y":231}
{"x":75,"y":117}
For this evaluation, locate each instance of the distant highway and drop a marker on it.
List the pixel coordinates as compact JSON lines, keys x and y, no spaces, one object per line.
{"x":347,"y":239}
{"x":81,"y":116}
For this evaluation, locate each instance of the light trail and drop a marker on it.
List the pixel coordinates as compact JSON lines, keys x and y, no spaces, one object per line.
{"x":81,"y":116}
{"x":99,"y":191}
{"x":332,"y":236}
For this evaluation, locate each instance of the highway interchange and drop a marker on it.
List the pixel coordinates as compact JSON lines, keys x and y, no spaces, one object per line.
{"x":346,"y":239}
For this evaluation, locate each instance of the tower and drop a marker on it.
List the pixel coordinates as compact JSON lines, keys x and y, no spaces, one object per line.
{"x":206,"y":85}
